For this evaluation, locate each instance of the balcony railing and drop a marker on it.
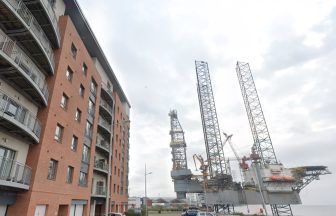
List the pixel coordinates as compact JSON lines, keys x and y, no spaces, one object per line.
{"x":109,"y":90}
{"x":13,"y":51}
{"x":21,"y":9}
{"x":51,"y":13}
{"x":103,"y":144}
{"x":104,"y":123}
{"x":107,"y":106}
{"x":14,"y":172}
{"x":99,"y":190}
{"x":19,"y":114}
{"x":101,"y":165}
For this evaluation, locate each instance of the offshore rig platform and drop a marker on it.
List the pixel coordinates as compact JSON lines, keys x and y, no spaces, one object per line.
{"x":265,"y":180}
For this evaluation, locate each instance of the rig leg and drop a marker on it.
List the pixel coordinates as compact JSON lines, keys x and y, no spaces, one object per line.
{"x":281,"y":210}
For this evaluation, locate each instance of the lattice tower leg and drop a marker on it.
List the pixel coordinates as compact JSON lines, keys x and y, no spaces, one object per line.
{"x":281,"y":210}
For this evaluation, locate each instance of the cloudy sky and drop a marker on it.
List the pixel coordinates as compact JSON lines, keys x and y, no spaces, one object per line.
{"x":290,"y":45}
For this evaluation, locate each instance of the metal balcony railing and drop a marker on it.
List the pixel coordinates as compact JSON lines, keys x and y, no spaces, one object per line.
{"x":103,"y":143}
{"x":18,"y":113}
{"x":99,"y":190}
{"x":51,"y":13}
{"x":107,"y":106}
{"x":21,"y":9}
{"x":15,"y":172}
{"x":107,"y":89}
{"x":13,"y":51}
{"x":101,"y":165}
{"x":104,"y":123}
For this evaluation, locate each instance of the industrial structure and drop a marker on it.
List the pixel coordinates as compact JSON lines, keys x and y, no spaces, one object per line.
{"x":265,"y":181}
{"x":64,"y":117}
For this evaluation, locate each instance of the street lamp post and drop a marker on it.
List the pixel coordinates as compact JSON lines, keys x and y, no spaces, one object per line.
{"x":146,"y":208}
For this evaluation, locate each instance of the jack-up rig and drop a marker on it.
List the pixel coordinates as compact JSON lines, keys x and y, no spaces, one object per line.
{"x":265,"y":180}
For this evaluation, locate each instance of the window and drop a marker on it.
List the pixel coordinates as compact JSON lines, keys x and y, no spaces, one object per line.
{"x":118,"y":189}
{"x":73,"y":51}
{"x":86,"y":154}
{"x":118,"y":172}
{"x":69,"y":74}
{"x":84,"y":69}
{"x":114,"y":188}
{"x":69,"y":174}
{"x":115,"y":170}
{"x":74,"y":143}
{"x":93,"y":87}
{"x":52,"y":169}
{"x":88,"y":130}
{"x":40,"y":210}
{"x":82,"y":179}
{"x":64,"y":101}
{"x":78,"y":115}
{"x":59,"y":133}
{"x":81,"y":90}
{"x":91,"y":109}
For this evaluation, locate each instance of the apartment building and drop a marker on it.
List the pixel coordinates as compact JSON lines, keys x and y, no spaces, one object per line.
{"x":64,"y":118}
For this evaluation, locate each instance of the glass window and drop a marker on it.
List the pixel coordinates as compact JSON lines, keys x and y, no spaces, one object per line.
{"x":69,"y":174}
{"x":64,"y":101}
{"x":78,"y":115}
{"x":88,"y":129}
{"x":91,"y":109}
{"x":74,"y":143}
{"x":82,"y":179}
{"x":84,"y":69}
{"x":73,"y":50}
{"x":81,"y":90}
{"x":93,"y":87}
{"x":69,"y":74}
{"x":86,"y":154}
{"x":59,"y":133}
{"x":52,"y":169}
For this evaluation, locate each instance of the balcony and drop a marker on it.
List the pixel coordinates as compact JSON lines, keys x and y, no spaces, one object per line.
{"x":105,"y":109}
{"x":103,"y":145}
{"x":45,"y":15}
{"x":18,"y":69}
{"x":107,"y":92}
{"x":18,"y":22}
{"x":104,"y":125}
{"x":101,"y":166}
{"x":98,"y":191}
{"x":16,"y":119}
{"x":14,"y":175}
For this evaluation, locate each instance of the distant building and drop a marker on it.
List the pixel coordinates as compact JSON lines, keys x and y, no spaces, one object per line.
{"x":134,"y":202}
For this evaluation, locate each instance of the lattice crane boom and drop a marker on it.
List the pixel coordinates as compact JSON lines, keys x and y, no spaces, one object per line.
{"x":212,"y":136}
{"x":262,"y":140}
{"x":177,"y":143}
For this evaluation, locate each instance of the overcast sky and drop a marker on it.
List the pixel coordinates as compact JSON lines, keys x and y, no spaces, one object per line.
{"x":290,"y":45}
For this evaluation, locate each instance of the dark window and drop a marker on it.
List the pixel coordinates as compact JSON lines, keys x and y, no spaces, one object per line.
{"x":59,"y":133}
{"x":84,"y":69}
{"x":78,"y":115}
{"x":81,"y":90}
{"x":64,"y":101}
{"x":73,"y":51}
{"x":114,"y":188}
{"x":74,"y":143}
{"x":52,"y":169}
{"x":69,"y":174}
{"x":69,"y":74}
{"x":115,"y":170}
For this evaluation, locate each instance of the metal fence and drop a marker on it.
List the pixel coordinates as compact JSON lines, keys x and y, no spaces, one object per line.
{"x":104,"y":123}
{"x":51,"y":13}
{"x":13,"y":51}
{"x":20,"y":114}
{"x":14,"y":171}
{"x":99,"y":190}
{"x":101,"y":165}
